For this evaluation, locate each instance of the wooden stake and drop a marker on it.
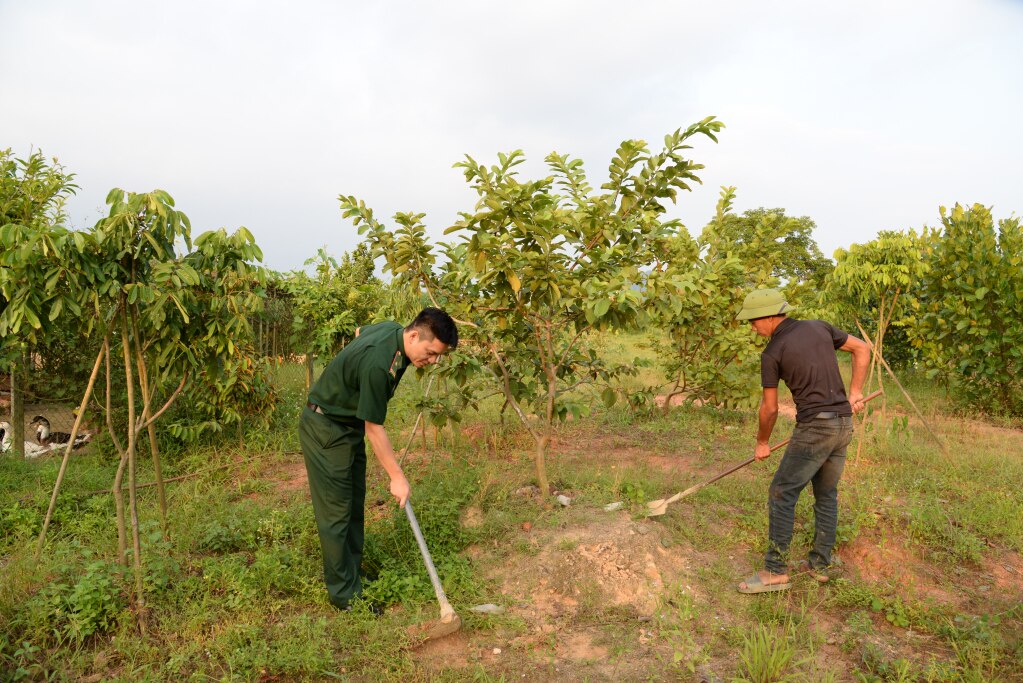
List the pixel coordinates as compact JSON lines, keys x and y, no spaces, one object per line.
{"x":944,"y":449}
{"x":67,"y":454}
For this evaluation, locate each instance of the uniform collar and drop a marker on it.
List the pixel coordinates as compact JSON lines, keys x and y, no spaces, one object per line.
{"x":401,"y":342}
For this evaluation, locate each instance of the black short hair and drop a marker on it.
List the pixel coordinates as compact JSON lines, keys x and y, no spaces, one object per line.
{"x":439,"y":324}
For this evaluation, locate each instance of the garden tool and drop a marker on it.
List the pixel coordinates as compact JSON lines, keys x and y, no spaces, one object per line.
{"x":449,"y":621}
{"x":656,"y":508}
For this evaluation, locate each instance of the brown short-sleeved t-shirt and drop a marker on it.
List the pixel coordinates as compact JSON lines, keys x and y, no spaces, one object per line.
{"x":360,"y":380}
{"x":801,"y":353}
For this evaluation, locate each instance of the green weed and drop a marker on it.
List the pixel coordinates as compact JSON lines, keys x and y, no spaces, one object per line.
{"x":765,"y":656}
{"x":92,"y":604}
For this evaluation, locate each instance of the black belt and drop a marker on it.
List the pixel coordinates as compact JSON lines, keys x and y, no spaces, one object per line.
{"x":827,"y":415}
{"x":315,"y":408}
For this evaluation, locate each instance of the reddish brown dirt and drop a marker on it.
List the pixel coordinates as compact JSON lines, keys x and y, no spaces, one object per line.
{"x":1005,"y":570}
{"x":291,"y":477}
{"x":893,"y":560}
{"x":629,"y":451}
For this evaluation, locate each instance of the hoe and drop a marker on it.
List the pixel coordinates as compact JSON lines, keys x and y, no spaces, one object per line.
{"x":449,"y":621}
{"x":656,"y":508}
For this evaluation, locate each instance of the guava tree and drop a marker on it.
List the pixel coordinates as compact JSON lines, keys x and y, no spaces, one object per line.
{"x":874,"y":284}
{"x":692,"y":292}
{"x":338,"y":297}
{"x":695,"y":287}
{"x":32,"y":195}
{"x":163,"y":315}
{"x":537,"y":265}
{"x":966,"y":321}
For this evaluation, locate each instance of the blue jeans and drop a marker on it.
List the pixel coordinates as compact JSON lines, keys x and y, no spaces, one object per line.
{"x":815,"y":455}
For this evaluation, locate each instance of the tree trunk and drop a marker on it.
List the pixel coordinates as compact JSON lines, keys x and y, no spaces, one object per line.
{"x":308,"y":371}
{"x":154,"y":447}
{"x":122,"y":529}
{"x":540,"y":459}
{"x":140,"y":600}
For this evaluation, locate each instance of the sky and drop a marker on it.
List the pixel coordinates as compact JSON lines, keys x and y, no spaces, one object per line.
{"x":864,"y":116}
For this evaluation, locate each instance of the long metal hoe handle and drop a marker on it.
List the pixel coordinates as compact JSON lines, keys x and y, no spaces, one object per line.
{"x":446,"y":611}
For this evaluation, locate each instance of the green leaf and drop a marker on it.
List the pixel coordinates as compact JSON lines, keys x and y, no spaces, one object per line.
{"x":609,"y":396}
{"x":58,"y":306}
{"x":31,"y":317}
{"x":513,"y":280}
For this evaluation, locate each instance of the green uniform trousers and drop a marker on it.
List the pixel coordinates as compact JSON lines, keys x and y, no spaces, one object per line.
{"x":335,"y":459}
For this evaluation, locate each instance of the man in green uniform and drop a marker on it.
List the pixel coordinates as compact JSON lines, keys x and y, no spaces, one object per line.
{"x":347,"y":405}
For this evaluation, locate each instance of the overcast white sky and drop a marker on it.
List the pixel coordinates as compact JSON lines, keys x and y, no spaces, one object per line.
{"x":864,"y":116}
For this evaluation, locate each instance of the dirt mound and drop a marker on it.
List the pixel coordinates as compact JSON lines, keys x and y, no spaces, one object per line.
{"x":611,"y":560}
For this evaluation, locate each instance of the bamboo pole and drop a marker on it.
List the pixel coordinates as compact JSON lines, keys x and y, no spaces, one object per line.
{"x":67,"y":453}
{"x":891,"y":373}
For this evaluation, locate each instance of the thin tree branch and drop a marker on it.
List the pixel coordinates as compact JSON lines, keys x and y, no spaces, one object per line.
{"x":151,"y":420}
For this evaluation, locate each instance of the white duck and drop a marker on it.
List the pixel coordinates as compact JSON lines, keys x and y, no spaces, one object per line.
{"x":31,"y":450}
{"x":45,"y":437}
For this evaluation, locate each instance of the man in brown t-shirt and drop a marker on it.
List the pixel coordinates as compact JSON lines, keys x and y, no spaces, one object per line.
{"x":802,"y":354}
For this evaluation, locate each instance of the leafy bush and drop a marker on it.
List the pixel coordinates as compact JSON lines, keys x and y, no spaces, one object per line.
{"x":968,"y":326}
{"x":92,"y":604}
{"x":18,"y":521}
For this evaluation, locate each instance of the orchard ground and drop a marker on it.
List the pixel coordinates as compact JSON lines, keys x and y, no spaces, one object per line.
{"x":930,"y":585}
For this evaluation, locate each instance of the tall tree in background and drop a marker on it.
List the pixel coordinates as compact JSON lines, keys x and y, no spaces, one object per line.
{"x":329,"y":304}
{"x":775,"y":249}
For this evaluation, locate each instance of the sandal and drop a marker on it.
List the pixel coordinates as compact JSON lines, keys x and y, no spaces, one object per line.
{"x":755,"y":584}
{"x":818,"y":575}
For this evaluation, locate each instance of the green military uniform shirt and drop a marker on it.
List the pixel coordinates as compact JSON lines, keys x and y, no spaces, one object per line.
{"x":358,"y":383}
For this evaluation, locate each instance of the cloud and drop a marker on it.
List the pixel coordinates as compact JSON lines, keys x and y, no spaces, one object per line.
{"x":864,"y":116}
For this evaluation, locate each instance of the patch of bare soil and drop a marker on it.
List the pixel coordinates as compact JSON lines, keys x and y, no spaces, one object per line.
{"x":450,"y":652}
{"x":291,"y":477}
{"x":611,"y":560}
{"x":893,"y":560}
{"x":607,"y":570}
{"x":1005,"y":570}
{"x":624,"y":451}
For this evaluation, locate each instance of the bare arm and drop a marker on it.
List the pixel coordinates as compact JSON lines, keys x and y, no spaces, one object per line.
{"x":768,"y":416}
{"x":384,"y":453}
{"x":860,"y":351}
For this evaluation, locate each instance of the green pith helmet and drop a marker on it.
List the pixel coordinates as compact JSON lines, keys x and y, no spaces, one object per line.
{"x":761,"y":303}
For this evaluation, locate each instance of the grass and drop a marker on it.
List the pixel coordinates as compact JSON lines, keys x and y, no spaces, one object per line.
{"x":235,"y":594}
